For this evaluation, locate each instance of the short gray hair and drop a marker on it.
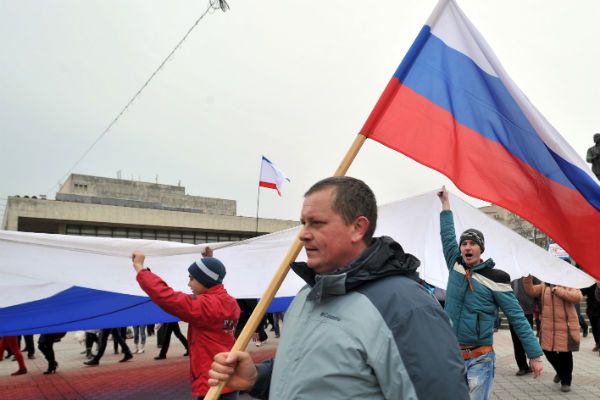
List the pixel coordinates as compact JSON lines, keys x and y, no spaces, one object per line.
{"x":352,"y":198}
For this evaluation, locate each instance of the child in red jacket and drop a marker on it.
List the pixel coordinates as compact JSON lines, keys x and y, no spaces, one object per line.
{"x":210,"y":312}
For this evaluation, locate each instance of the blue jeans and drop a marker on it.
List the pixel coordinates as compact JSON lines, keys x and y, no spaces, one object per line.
{"x":480,"y":375}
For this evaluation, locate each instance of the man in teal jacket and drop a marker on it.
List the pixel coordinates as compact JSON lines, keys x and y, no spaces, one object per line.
{"x":475,"y":290}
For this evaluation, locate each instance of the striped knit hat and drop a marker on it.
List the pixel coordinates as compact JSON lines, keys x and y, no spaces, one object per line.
{"x":209,"y":271}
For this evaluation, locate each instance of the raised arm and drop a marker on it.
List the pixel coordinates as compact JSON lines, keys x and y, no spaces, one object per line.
{"x":447,"y":232}
{"x":531,"y":289}
{"x":443,"y":196}
{"x":176,"y":303}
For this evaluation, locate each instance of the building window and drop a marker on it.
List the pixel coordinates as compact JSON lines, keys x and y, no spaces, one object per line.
{"x":175,"y":236}
{"x":105,"y":231}
{"x":149,"y":234}
{"x":188,"y":237}
{"x":192,"y":237}
{"x":119,"y":232}
{"x":135,"y":233}
{"x":162,"y":235}
{"x":88,"y":231}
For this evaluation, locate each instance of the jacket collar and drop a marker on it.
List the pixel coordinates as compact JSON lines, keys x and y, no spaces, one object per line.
{"x":489,"y":263}
{"x":384,"y":257}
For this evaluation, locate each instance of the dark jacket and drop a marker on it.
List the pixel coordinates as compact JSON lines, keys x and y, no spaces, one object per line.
{"x":593,"y":305}
{"x":365,"y":331}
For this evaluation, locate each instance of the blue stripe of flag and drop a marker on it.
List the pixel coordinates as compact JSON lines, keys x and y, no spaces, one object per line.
{"x":480,"y":101}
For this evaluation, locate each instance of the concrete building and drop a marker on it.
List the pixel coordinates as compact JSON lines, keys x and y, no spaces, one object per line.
{"x":516,"y":223}
{"x":96,"y":206}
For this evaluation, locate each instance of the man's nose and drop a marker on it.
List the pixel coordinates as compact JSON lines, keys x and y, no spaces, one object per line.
{"x":304,"y":234}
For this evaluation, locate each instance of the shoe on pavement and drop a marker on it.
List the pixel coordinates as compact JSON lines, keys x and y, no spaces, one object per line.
{"x":522,"y":372}
{"x":126,"y":357}
{"x":565,"y":388}
{"x":596,"y":348}
{"x":21,"y":371}
{"x":159,"y":357}
{"x":556,"y":378}
{"x":92,"y":362}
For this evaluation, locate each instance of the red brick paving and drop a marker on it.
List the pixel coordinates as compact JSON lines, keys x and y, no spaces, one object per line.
{"x":141,"y":378}
{"x":145,"y":378}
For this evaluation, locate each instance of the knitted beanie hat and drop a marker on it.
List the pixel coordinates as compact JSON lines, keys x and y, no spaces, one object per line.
{"x":474,"y":235}
{"x":209,"y":271}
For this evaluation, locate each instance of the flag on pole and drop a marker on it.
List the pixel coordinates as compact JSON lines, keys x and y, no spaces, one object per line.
{"x":270,"y":176}
{"x":452,"y":107}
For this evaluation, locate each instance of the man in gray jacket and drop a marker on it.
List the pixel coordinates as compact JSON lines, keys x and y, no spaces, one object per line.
{"x":362,"y":327}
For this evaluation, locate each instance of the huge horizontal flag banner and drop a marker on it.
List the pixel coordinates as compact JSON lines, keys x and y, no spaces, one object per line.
{"x":452,"y":107}
{"x":58,"y":283}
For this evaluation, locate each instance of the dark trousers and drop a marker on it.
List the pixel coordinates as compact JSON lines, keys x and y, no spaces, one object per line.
{"x":520,"y":356}
{"x":29,"y":345}
{"x":123,"y":334}
{"x":562,"y":362}
{"x":90,"y":339}
{"x":104,"y":340}
{"x":595,"y":324}
{"x":172,"y":327}
{"x":46,"y":346}
{"x":582,"y":323}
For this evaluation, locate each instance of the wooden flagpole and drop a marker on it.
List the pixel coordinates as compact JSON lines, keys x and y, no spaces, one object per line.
{"x":258,"y":195}
{"x":260,"y":310}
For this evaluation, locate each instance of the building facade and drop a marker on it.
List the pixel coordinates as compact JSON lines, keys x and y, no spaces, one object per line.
{"x":517,"y":224}
{"x":97,"y":206}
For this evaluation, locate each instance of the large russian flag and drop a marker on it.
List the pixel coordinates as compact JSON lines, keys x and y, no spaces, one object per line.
{"x":451,"y":106}
{"x":57,"y":283}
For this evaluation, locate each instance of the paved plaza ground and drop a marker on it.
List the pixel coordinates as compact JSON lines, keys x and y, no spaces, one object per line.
{"x":148,"y":379}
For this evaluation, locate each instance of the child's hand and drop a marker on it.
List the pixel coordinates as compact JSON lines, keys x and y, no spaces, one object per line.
{"x":138,"y":260}
{"x":208,"y":252}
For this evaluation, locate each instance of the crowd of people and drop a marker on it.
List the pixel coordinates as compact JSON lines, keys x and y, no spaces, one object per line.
{"x":365,"y":325}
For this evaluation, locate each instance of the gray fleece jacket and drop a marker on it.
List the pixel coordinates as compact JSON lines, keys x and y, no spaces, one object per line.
{"x":366,"y":331}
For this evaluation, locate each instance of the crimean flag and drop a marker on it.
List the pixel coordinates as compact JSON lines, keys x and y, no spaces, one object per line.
{"x":452,"y":107}
{"x":270,"y":176}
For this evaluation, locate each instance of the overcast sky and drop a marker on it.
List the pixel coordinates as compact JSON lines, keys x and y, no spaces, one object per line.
{"x":291,"y":80}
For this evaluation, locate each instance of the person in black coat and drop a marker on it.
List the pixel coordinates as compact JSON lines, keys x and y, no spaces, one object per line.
{"x":46,"y":345}
{"x":593,"y":312}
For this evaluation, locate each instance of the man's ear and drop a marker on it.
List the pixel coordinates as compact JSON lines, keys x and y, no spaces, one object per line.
{"x":360,"y":225}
